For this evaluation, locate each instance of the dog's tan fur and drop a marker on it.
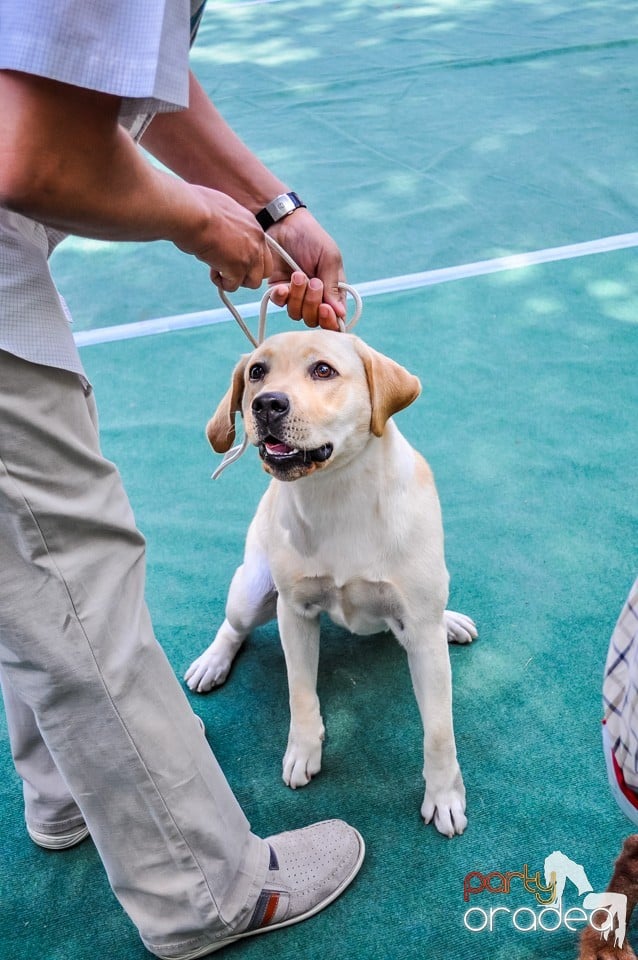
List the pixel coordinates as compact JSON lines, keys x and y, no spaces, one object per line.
{"x":357,"y":535}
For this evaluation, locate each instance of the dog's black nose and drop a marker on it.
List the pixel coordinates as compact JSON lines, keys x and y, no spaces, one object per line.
{"x":271,"y":407}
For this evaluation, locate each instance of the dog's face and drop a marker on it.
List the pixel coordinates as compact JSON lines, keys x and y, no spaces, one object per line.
{"x":311,"y":399}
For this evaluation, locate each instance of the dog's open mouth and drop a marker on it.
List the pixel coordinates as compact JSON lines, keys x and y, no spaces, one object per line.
{"x":284,"y":458}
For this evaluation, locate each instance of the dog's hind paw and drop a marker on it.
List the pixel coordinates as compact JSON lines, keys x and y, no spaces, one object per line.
{"x":460,"y":628}
{"x":208,"y":671}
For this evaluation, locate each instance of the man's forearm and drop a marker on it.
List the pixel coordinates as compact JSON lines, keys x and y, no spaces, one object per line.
{"x":102,"y":187}
{"x":65,"y":160}
{"x":199,"y":146}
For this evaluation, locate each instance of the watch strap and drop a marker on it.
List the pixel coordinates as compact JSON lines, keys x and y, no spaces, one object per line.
{"x":277,"y":209}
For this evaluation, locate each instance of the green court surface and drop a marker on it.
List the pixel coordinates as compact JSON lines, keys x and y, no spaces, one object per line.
{"x":426,"y":136}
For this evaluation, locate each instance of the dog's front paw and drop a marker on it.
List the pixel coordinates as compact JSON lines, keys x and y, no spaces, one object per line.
{"x":446,"y":808}
{"x":208,"y":671}
{"x":301,"y":762}
{"x":460,"y":629}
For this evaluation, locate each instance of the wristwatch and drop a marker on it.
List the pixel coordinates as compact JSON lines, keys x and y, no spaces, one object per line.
{"x":277,"y":209}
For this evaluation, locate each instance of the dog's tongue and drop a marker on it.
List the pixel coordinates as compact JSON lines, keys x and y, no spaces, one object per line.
{"x":278,"y":449}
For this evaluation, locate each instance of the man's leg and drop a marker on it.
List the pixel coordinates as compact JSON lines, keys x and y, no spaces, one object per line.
{"x":77,"y":647}
{"x":53,"y":817}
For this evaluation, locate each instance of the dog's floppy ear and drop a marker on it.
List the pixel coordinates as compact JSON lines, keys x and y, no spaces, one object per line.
{"x":391,"y":386}
{"x":220,"y":429}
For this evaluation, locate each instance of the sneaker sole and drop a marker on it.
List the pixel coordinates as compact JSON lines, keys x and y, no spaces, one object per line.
{"x":64,"y":841}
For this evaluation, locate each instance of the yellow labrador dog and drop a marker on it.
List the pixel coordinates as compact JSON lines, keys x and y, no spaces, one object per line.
{"x":351,"y":526}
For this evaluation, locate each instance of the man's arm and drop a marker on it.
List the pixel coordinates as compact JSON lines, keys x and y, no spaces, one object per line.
{"x":65,"y":160}
{"x":199,"y":146}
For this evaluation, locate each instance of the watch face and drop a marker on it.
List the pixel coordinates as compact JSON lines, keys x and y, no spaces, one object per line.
{"x":282,"y":205}
{"x":278,"y":208}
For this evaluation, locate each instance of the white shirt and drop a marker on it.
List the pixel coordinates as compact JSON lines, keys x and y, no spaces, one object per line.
{"x":134,"y":50}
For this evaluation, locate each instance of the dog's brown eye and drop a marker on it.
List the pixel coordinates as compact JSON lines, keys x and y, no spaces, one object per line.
{"x":323,"y":371}
{"x":257,"y":372}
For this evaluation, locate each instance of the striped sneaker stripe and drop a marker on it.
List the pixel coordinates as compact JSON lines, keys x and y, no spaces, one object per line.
{"x":265,"y":909}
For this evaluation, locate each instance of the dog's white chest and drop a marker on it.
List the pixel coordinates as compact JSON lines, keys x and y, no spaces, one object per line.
{"x":361,"y":606}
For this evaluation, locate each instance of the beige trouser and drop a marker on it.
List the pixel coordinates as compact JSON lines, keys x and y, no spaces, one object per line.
{"x":100,"y":728}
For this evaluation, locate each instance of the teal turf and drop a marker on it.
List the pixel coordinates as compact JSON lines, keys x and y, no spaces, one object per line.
{"x":500,"y":128}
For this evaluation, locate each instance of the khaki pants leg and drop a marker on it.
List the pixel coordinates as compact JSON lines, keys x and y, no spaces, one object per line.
{"x":48,"y":804}
{"x":77,"y":650}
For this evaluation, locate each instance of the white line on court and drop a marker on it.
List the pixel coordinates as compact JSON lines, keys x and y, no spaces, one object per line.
{"x":409,"y":281}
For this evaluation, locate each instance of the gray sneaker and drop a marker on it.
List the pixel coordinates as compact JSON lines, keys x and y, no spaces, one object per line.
{"x":308,"y":869}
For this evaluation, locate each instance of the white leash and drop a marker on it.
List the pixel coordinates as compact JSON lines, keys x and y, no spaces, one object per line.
{"x":235,"y":452}
{"x":263,"y":310}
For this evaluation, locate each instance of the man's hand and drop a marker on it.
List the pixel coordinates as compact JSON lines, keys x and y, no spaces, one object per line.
{"x":317,"y":301}
{"x":229,"y":240}
{"x":200,"y":147}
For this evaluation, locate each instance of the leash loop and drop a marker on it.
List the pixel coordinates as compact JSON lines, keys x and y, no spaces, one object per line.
{"x":263,"y":309}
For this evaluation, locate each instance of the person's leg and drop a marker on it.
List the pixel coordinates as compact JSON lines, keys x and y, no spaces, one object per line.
{"x":620,"y":747}
{"x":76,"y":645}
{"x":620,"y":708}
{"x":53,"y":817}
